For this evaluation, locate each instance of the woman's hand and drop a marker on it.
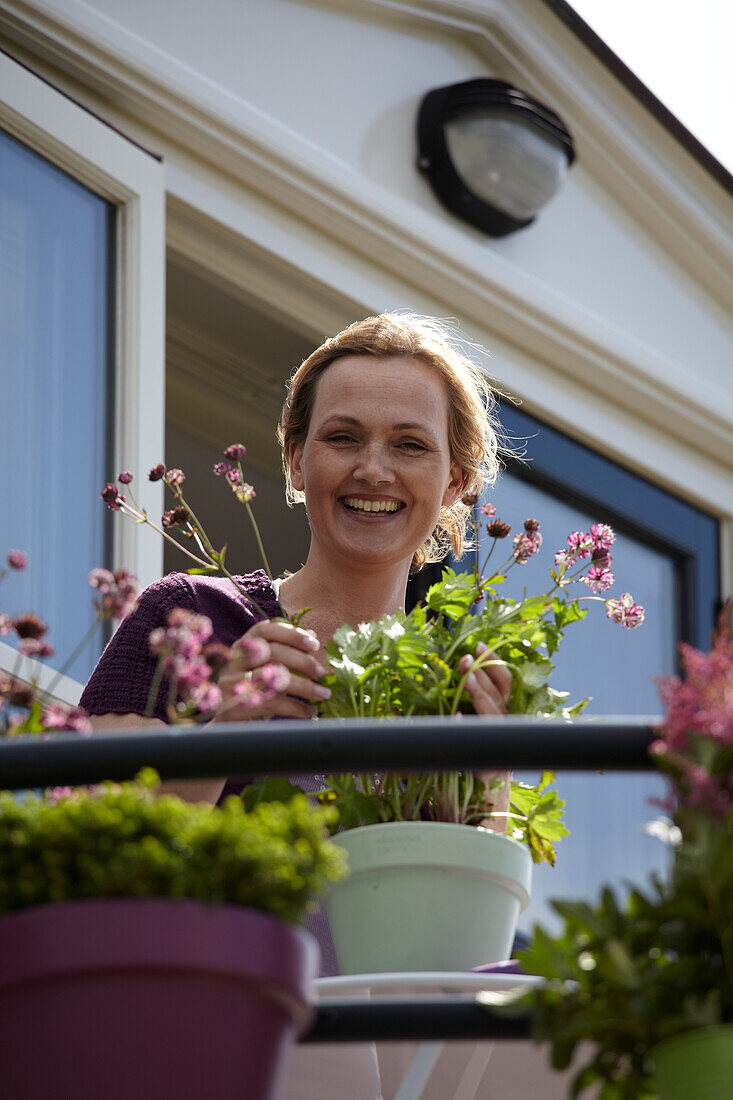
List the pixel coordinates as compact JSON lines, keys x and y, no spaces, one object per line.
{"x":490,"y":689}
{"x":273,"y":642}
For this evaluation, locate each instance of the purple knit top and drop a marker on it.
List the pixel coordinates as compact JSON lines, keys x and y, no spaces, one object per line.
{"x":120,"y":684}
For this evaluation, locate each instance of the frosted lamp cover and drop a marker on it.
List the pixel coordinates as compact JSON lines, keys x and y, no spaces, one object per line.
{"x":508,"y":164}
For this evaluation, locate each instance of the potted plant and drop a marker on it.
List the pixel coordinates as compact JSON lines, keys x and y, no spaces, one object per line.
{"x":151,"y":946}
{"x":409,"y":664}
{"x":649,"y":982}
{"x":146,"y":943}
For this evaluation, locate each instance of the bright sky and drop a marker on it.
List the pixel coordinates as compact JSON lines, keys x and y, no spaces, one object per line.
{"x":682,"y":52}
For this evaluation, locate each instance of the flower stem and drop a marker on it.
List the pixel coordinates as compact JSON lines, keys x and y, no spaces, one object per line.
{"x":256,"y":530}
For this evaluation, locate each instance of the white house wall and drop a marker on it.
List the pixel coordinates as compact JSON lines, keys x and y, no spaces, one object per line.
{"x":288,"y":135}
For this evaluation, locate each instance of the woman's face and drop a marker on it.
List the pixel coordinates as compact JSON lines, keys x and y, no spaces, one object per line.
{"x":375,"y":466}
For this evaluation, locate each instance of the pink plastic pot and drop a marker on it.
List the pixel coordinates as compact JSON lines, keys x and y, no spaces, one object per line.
{"x":128,"y":997}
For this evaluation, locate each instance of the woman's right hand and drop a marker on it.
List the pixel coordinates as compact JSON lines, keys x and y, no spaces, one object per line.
{"x":279,"y":642}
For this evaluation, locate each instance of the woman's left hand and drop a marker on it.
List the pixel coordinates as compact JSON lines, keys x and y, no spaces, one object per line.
{"x":490,"y":689}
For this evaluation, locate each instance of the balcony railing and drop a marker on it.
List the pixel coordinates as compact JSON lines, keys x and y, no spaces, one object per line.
{"x":404,"y":745}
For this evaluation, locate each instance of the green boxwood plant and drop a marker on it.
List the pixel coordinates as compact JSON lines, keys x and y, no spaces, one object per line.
{"x":124,"y":840}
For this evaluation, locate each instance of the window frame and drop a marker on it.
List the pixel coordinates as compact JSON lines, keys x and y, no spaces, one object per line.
{"x":632,"y":504}
{"x":53,"y":125}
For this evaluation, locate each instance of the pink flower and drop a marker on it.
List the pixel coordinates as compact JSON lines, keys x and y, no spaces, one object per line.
{"x":598,"y":579}
{"x":221,"y":468}
{"x":242,"y":491}
{"x":248,"y":695}
{"x":525,"y":545}
{"x":603,"y":536}
{"x":206,"y":696}
{"x":580,"y":544}
{"x":235,"y":452}
{"x":54,"y":718}
{"x":624,"y":611}
{"x":174,"y":477}
{"x":34,"y":647}
{"x":125,"y":477}
{"x":197,"y":626}
{"x":562,"y":558}
{"x":118,"y":592}
{"x":56,"y":794}
{"x":274,"y":677}
{"x":488,"y":510}
{"x":6,"y":623}
{"x":256,"y":650}
{"x":16,"y":559}
{"x":73,"y":719}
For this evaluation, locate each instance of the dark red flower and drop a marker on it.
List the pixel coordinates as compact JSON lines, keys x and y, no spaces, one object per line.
{"x":498,"y":529}
{"x":235,"y":452}
{"x":531,"y":525}
{"x":20,"y":695}
{"x":157,"y":472}
{"x":217,"y":656}
{"x":469,"y":499}
{"x":29,"y":626}
{"x":112,"y":497}
{"x":175,"y":516}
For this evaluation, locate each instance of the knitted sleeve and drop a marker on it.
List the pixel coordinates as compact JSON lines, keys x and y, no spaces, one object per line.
{"x":123,"y":677}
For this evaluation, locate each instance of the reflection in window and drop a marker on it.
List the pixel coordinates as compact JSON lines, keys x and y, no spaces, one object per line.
{"x":56,"y":241}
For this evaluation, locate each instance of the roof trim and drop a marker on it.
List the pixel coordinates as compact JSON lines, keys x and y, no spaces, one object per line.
{"x":639,"y":90}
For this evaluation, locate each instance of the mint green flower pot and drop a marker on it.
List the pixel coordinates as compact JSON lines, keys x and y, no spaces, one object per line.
{"x":695,"y":1065}
{"x":427,"y":896}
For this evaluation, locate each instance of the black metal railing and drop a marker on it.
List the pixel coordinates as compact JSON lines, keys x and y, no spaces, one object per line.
{"x":404,"y":745}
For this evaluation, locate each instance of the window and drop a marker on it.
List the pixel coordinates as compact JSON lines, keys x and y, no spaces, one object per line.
{"x":81,"y":357}
{"x":666,"y":555}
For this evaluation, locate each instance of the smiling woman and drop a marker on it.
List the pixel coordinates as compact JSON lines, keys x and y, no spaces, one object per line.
{"x":388,"y":435}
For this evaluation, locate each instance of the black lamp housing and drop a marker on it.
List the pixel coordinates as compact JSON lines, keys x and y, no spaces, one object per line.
{"x":482,"y":97}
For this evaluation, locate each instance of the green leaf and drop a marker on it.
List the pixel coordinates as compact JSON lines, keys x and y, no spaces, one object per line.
{"x":270,"y":788}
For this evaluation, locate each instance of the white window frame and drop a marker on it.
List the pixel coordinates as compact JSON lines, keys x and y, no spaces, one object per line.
{"x":122,"y":173}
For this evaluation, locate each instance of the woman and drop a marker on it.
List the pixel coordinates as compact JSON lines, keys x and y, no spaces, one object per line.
{"x":385,"y":430}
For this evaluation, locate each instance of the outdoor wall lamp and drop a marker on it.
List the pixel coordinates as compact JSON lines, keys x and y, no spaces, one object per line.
{"x":493,"y":155}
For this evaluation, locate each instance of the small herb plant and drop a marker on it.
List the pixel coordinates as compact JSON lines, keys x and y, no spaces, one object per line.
{"x":624,"y":977}
{"x":126,"y":841}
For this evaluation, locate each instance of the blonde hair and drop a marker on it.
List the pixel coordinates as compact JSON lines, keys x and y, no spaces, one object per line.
{"x":473,"y":426}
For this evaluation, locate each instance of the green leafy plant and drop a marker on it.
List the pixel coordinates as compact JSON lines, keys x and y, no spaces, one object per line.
{"x":625,"y":976}
{"x":410,"y":664}
{"x":126,"y":841}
